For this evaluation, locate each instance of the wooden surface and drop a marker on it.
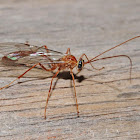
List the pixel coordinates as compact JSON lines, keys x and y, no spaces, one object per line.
{"x":109,"y":105}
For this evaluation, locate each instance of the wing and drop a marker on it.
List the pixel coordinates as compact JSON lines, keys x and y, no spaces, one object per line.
{"x":16,"y":58}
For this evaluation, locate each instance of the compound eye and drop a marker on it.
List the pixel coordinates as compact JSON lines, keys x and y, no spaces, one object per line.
{"x":80,"y":64}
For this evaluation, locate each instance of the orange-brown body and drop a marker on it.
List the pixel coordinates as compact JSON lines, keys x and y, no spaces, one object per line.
{"x":70,"y":62}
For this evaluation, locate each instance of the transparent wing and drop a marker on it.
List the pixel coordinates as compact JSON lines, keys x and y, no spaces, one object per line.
{"x":16,"y":58}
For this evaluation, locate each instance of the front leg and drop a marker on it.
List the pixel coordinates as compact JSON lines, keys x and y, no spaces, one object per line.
{"x":88,"y":61}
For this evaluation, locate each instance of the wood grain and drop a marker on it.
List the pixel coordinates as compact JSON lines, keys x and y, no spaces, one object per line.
{"x":109,"y":104}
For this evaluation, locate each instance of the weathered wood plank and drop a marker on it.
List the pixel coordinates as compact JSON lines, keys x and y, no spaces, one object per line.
{"x":109,"y":104}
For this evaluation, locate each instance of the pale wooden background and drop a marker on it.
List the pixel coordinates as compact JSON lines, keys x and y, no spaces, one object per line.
{"x":109,"y":105}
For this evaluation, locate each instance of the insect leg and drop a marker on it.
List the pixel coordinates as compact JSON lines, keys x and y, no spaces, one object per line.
{"x":90,"y":62}
{"x":68,"y":51}
{"x":9,"y":84}
{"x":50,"y":92}
{"x":26,"y":72}
{"x":46,"y":48}
{"x":35,"y":66}
{"x":75,"y":92}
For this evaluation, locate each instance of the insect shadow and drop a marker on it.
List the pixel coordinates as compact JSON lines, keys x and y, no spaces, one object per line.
{"x":67,"y":76}
{"x":62,"y":75}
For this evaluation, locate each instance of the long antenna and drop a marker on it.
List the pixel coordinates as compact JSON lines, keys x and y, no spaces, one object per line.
{"x":113,"y":48}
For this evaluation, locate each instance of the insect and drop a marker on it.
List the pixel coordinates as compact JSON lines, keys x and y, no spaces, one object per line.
{"x":33,"y":56}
